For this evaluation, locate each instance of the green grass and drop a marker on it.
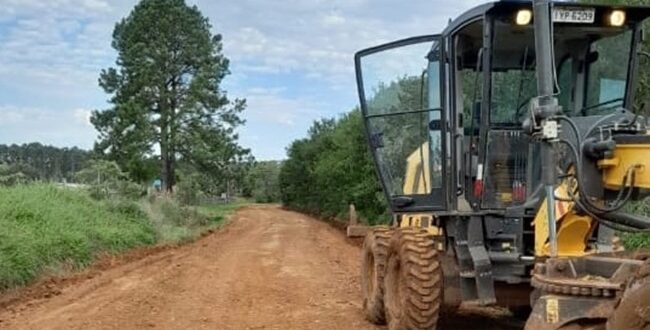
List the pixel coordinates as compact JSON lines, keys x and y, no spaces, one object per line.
{"x":46,"y":229}
{"x":637,"y":240}
{"x":43,"y":227}
{"x":219,"y":212}
{"x":175,"y":223}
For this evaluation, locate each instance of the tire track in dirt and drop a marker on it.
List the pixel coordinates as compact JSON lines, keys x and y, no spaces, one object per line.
{"x":268,"y":269}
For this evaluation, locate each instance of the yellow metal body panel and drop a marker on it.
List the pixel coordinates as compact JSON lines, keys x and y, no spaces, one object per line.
{"x":627,"y":156}
{"x":417,"y":182}
{"x":418,"y":175}
{"x":572,"y":236}
{"x":573,"y":230}
{"x":420,"y":220}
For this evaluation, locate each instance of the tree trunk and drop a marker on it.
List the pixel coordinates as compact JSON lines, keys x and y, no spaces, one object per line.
{"x":164,"y":161}
{"x":167,"y":172}
{"x":171,"y":136}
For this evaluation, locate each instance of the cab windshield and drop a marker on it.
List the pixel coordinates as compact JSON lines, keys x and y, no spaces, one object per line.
{"x":591,"y":79}
{"x":592,"y":69}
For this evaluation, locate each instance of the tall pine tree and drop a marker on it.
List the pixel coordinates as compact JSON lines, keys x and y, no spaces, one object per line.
{"x":165,"y":93}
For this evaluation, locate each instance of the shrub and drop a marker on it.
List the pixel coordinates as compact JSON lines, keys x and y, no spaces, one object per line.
{"x":332,"y":168}
{"x":262,"y":182}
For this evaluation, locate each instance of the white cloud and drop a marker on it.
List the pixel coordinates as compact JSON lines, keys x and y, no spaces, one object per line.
{"x":82,"y":116}
{"x":333,"y":19}
{"x":11,"y":9}
{"x":318,"y":38}
{"x":10,"y":115}
{"x":268,"y":105}
{"x":96,"y":5}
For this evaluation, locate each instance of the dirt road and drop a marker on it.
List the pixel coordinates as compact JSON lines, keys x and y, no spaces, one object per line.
{"x":267,"y":269}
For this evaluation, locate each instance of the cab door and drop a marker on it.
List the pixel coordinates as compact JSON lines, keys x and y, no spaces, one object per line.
{"x":400,"y":93}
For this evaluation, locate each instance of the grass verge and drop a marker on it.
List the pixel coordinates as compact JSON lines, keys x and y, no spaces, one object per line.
{"x":44,"y":228}
{"x":48,"y":230}
{"x":174,"y":223}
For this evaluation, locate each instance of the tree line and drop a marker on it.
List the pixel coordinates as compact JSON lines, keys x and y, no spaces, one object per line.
{"x":35,"y":161}
{"x":332,"y":168}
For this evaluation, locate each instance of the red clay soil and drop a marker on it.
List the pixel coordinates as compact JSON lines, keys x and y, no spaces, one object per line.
{"x":268,"y":269}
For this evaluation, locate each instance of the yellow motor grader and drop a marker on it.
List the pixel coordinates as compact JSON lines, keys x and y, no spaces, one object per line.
{"x":510,"y":150}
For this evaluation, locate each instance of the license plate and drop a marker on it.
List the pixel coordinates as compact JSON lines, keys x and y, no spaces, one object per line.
{"x":574,"y":15}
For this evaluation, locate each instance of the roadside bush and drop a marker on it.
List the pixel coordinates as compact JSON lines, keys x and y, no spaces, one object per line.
{"x":174,"y":222}
{"x":12,"y":175}
{"x":106,"y":180}
{"x":188,"y":189}
{"x":116,"y":189}
{"x":13,"y":179}
{"x":332,"y":168}
{"x":262,"y":181}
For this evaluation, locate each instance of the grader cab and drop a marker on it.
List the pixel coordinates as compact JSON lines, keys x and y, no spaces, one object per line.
{"x":510,"y":148}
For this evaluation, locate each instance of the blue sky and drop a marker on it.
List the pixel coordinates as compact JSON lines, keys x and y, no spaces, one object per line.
{"x":291,"y":59}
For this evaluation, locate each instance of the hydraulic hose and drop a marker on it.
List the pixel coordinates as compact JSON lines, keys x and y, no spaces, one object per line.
{"x":626,"y":219}
{"x":612,"y":215}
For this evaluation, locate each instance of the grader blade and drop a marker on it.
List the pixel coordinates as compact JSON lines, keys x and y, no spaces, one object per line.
{"x":579,"y":293}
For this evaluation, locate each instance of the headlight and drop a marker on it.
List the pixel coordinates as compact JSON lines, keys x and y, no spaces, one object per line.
{"x":524,"y":16}
{"x":617,"y":18}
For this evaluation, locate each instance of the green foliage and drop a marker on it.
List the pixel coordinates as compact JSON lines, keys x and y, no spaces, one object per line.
{"x":99,"y":171}
{"x":218,"y":212}
{"x":637,"y":240}
{"x":43,"y":227}
{"x":165,"y":92}
{"x":105,"y":180}
{"x":11,"y":176}
{"x":262,"y":182}
{"x":188,"y":189}
{"x":402,"y":134}
{"x":331,"y":169}
{"x":39,"y":162}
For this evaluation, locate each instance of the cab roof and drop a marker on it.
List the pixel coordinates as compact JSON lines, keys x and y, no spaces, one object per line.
{"x":505,"y":7}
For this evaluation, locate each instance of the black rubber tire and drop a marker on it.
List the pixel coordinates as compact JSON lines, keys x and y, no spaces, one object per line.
{"x":375,"y":250}
{"x":584,"y":325}
{"x":633,"y":311}
{"x":413,"y":281}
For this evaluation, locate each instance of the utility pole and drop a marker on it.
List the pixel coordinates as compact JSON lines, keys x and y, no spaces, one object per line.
{"x":546,"y":108}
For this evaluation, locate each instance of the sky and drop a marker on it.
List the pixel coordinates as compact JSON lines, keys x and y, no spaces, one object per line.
{"x":292,"y":60}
